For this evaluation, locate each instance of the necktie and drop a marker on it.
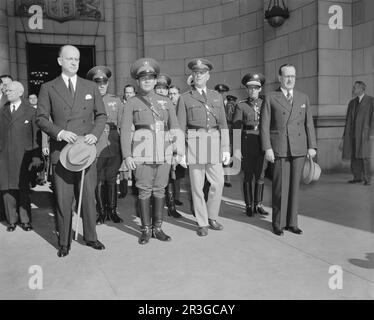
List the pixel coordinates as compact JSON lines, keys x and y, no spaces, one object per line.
{"x":289,"y":97}
{"x":13,"y":108}
{"x":204,"y":95}
{"x":71,"y":88}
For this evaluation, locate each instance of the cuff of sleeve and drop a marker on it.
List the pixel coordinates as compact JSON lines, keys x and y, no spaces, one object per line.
{"x":59,"y":135}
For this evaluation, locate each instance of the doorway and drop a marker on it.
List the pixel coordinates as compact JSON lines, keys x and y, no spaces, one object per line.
{"x":42,"y":63}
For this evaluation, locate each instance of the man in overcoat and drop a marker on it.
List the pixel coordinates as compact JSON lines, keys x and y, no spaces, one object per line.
{"x":18,"y":154}
{"x":358,"y":132}
{"x":287,"y":133}
{"x":76,"y":108}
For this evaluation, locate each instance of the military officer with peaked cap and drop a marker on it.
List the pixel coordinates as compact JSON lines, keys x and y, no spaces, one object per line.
{"x":162,"y":87}
{"x":109,"y":157}
{"x":202,"y":114}
{"x":247,"y":119}
{"x":155,"y":144}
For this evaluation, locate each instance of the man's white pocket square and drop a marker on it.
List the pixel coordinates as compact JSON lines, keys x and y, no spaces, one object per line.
{"x":88,"y":97}
{"x":302,"y":106}
{"x":26,"y":121}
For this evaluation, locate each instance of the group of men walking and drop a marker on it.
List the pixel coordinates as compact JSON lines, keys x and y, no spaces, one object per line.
{"x":153,"y":136}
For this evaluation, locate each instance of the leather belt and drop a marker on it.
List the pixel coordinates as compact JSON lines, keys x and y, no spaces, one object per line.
{"x":149,"y":127}
{"x":204,"y":128}
{"x":249,"y":128}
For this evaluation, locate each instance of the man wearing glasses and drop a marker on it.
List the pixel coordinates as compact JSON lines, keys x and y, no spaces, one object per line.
{"x":287,"y":134}
{"x":109,"y":157}
{"x":202,"y":114}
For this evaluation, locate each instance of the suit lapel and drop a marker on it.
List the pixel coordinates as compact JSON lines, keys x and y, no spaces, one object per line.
{"x":6,"y":112}
{"x":79,"y":93}
{"x":19,"y":113}
{"x":63,"y":91}
{"x":297,"y":103}
{"x":280,"y":97}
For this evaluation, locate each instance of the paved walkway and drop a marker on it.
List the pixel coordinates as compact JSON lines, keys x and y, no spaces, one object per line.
{"x":244,"y":261}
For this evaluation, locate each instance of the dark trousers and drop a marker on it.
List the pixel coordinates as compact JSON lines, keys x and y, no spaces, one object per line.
{"x":286,"y":184}
{"x":2,"y":209}
{"x":17,"y":202}
{"x":361,"y":168}
{"x":254,"y":167}
{"x":107,"y":168}
{"x":65,"y":182}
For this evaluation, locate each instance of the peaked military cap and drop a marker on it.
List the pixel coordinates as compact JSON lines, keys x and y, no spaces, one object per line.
{"x":221,"y":88}
{"x":99,"y":72}
{"x":144,"y":66}
{"x":200,"y":64}
{"x":163,"y":80}
{"x":255,"y":79}
{"x":229,"y":97}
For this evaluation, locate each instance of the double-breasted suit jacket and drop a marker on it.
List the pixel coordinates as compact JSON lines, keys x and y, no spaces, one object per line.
{"x":193,"y":114}
{"x":359,"y":128}
{"x":84,"y":114}
{"x":18,"y":145}
{"x":289,"y":131}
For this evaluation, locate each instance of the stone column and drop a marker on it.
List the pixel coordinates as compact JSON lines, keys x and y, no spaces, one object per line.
{"x":4,"y":43}
{"x":125,"y":41}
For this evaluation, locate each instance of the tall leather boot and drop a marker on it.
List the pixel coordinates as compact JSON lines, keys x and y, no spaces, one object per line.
{"x":100,"y":203}
{"x":145,"y":218}
{"x":259,"y":193}
{"x":170,"y":201}
{"x":123,"y":188}
{"x":112,"y":199}
{"x":248,"y":198}
{"x":157,"y":217}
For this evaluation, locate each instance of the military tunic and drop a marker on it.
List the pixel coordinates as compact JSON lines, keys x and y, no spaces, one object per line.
{"x":156,"y":137}
{"x":109,"y":144}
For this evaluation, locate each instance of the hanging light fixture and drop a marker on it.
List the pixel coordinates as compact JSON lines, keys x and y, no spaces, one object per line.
{"x":276,"y":15}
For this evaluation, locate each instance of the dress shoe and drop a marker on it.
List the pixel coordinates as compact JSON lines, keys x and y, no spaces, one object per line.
{"x":294,"y":230}
{"x":355,"y":181}
{"x":178,"y":203}
{"x":159,"y":234}
{"x":215,"y":225}
{"x":26,"y":226}
{"x":202,"y":231}
{"x":228,"y":184}
{"x":260,"y":209}
{"x":95,"y":244}
{"x":146,"y":235}
{"x":11,"y":227}
{"x":249,"y":211}
{"x":367,"y":183}
{"x":174,"y":213}
{"x":278,"y":232}
{"x":63,"y":251}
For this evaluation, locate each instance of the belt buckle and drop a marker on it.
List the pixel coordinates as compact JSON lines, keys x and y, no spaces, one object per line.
{"x":159,"y":126}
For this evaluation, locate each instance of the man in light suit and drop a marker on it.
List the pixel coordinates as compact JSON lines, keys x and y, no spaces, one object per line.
{"x":288,"y":135}
{"x":76,"y":108}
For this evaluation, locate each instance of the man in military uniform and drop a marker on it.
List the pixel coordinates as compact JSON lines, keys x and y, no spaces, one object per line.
{"x":156,"y":143}
{"x":162,"y":88}
{"x":201,"y":112}
{"x":109,"y":157}
{"x":247,"y":119}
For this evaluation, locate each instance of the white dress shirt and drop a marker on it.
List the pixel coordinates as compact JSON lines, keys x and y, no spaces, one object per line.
{"x":16,"y":104}
{"x":73,"y":80}
{"x":285,"y":92}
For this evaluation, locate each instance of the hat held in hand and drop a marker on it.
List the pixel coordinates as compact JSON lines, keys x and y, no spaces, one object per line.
{"x":78,"y":156}
{"x":311,"y":171}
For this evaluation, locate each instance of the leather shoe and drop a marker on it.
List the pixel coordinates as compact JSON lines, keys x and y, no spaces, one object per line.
{"x":278,"y":232}
{"x":294,"y":230}
{"x":26,"y":226}
{"x":367,"y":183}
{"x":95,"y":244}
{"x":215,"y":225}
{"x":178,"y":203}
{"x":63,"y":252}
{"x":202,"y":231}
{"x":228,"y":184}
{"x":355,"y":181}
{"x":11,"y":227}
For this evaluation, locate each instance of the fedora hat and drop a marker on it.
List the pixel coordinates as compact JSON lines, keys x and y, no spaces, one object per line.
{"x":78,"y":156}
{"x":311,"y":171}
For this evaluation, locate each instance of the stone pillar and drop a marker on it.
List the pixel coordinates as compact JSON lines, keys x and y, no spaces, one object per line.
{"x":125,"y":41}
{"x":4,"y":42}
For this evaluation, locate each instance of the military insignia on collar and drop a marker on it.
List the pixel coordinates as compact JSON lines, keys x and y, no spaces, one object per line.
{"x":162,"y":103}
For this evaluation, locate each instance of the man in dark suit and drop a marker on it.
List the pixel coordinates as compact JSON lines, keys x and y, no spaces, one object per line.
{"x":76,"y":109}
{"x":288,"y":135}
{"x":359,"y":129}
{"x":18,"y":154}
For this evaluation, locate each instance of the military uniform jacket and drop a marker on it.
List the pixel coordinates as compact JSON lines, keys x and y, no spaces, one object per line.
{"x":85,"y":114}
{"x":287,"y":129}
{"x":192,"y":114}
{"x":18,"y":145}
{"x":359,"y":128}
{"x":150,"y":143}
{"x":247,"y":115}
{"x":109,"y":144}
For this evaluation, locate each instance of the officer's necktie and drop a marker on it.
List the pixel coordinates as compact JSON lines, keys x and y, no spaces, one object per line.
{"x":71,"y":88}
{"x":204,"y":95}
{"x":289,"y":97}
{"x":13,"y":108}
